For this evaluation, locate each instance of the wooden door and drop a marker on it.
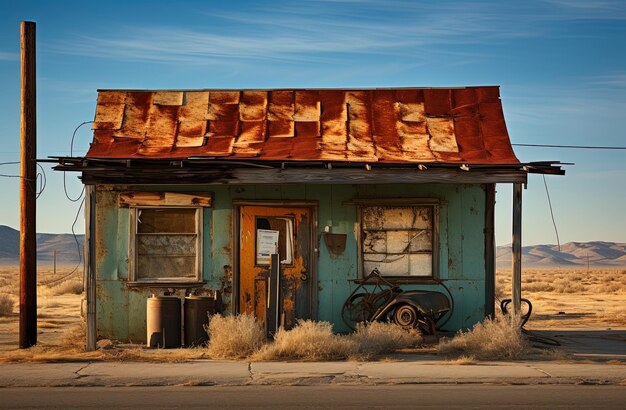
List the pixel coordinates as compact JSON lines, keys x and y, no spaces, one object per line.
{"x":290,"y":228}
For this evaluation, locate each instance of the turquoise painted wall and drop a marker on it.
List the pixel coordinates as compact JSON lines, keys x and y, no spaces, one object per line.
{"x":121,"y":310}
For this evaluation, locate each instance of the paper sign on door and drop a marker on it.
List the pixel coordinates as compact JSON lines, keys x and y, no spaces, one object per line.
{"x":266,"y":245}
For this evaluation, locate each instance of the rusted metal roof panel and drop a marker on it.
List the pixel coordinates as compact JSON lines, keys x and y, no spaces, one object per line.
{"x":408,"y":125}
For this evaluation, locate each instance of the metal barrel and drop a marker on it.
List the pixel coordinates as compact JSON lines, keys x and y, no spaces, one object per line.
{"x":197,"y":309}
{"x":163,"y":322}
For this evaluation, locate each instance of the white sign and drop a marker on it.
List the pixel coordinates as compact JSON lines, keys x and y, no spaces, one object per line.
{"x":266,"y":245}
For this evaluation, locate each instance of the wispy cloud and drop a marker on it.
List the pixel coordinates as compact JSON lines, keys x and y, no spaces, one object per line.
{"x":5,"y":56}
{"x":306,"y":33}
{"x":330,"y":31}
{"x":588,"y":9}
{"x":615,"y":80}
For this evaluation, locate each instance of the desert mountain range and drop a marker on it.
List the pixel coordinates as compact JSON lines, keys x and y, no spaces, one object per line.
{"x":571,"y":254}
{"x":64,"y":244}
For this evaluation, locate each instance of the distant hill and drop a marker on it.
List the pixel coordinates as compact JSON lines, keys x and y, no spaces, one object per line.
{"x":571,"y":254}
{"x":47,"y":243}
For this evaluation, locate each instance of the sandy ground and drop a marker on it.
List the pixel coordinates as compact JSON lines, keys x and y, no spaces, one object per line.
{"x":562,"y":300}
{"x":58,"y":308}
{"x":565,"y":299}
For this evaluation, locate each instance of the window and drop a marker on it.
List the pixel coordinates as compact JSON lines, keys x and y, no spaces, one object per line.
{"x":166,"y":244}
{"x":399,"y":240}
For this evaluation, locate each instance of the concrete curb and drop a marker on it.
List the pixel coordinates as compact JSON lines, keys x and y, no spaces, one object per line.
{"x":235,"y":373}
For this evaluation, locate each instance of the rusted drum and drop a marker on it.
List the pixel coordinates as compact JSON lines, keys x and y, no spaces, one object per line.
{"x":197,"y":309}
{"x":163,"y":322}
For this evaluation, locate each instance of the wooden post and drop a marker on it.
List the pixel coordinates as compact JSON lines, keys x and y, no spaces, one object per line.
{"x":490,"y":247}
{"x":28,"y":186}
{"x":517,"y":249}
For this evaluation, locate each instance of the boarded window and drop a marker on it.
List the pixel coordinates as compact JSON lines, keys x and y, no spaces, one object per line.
{"x":167,"y":244}
{"x":398,"y":240}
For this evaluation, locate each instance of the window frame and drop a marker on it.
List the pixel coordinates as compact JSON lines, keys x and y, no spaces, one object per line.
{"x":133,"y":255}
{"x":433,"y":203}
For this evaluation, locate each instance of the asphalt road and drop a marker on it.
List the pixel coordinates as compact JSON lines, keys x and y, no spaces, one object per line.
{"x":321,"y":396}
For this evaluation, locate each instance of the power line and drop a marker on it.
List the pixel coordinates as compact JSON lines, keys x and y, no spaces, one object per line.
{"x":569,"y":146}
{"x":558,"y":242}
{"x":71,"y":154}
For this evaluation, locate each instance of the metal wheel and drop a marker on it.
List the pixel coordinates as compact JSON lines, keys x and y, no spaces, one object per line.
{"x":406,"y":316}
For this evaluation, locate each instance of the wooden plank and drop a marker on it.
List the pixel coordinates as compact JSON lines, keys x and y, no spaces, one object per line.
{"x":517,"y":249}
{"x":164,"y":199}
{"x":298,"y":176}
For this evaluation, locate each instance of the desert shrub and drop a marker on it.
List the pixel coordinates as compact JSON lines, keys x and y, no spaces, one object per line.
{"x":500,"y":338}
{"x":377,"y":338}
{"x":537,"y":287}
{"x":68,"y":287}
{"x":6,"y":304}
{"x":567,"y":286}
{"x":609,"y":287}
{"x":308,"y":340}
{"x":234,"y":337}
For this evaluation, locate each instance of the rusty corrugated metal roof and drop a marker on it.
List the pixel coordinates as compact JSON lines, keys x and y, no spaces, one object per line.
{"x":407,"y":125}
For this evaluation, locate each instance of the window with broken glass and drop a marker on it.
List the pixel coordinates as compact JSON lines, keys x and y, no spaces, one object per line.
{"x":398,"y":240}
{"x":166,"y":244}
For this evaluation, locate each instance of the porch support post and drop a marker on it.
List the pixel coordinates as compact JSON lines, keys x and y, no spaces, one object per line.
{"x":517,"y":249}
{"x":490,"y":258}
{"x":90,"y":265}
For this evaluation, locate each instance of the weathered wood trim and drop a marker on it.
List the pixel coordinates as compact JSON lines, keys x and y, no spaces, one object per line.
{"x":235,"y":176}
{"x":134,"y":198}
{"x":394,"y":201}
{"x":274,"y":202}
{"x":490,"y":261}
{"x":235,"y":243}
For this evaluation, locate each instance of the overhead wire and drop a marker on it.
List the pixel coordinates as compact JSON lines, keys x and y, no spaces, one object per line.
{"x":558,"y":242}
{"x":71,"y":155}
{"x":40,"y":176}
{"x":571,"y":146}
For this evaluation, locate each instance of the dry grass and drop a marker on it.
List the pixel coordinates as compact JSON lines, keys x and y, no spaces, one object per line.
{"x":571,"y":298}
{"x":498,"y":339}
{"x":462,"y":361}
{"x":378,"y":338}
{"x":315,"y":341}
{"x":6,"y":304}
{"x":234,"y":337}
{"x":308,"y":340}
{"x":73,"y":287}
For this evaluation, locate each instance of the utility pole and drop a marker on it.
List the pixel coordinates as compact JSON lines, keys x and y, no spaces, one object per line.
{"x":28,"y":186}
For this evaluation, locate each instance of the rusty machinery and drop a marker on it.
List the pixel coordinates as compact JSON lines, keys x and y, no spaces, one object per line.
{"x":377,"y":299}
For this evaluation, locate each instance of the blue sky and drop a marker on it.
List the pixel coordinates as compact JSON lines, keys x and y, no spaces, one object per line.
{"x":561,"y":66}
